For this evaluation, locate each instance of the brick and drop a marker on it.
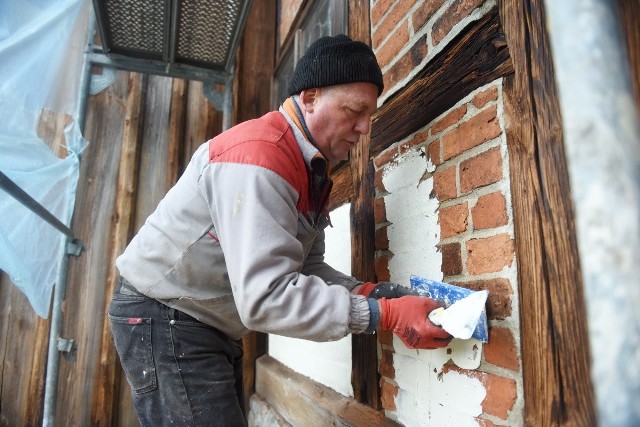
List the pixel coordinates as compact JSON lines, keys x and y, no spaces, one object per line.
{"x":385,"y":157}
{"x":501,"y":349}
{"x":453,"y":220}
{"x":501,"y":391}
{"x":490,"y":211}
{"x":378,"y":10}
{"x":451,"y":259}
{"x":501,"y":395}
{"x":480,"y":128}
{"x":483,"y":98}
{"x":489,"y":255}
{"x":500,"y":293}
{"x":379,"y":210}
{"x":381,"y":266}
{"x":418,"y":139}
{"x":458,"y":10}
{"x":377,"y":181}
{"x":385,"y":366}
{"x":396,"y":42}
{"x":382,"y":240}
{"x":480,"y":171}
{"x":388,"y":393}
{"x":450,"y":119}
{"x":426,"y":10}
{"x":406,"y":63}
{"x":397,"y":13}
{"x":444,"y":184}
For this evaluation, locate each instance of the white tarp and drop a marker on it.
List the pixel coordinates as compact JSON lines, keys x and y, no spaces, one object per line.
{"x":41,"y":45}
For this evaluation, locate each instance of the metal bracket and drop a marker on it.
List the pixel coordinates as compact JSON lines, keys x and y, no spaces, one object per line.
{"x":75,"y":247}
{"x":100,"y":82}
{"x":68,"y":348}
{"x":215,"y":97}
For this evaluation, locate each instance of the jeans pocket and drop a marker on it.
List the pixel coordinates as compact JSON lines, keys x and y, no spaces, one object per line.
{"x":132,"y":338}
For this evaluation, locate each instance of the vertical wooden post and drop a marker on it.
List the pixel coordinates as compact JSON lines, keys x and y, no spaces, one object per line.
{"x":555,"y":346}
{"x":364,"y":373}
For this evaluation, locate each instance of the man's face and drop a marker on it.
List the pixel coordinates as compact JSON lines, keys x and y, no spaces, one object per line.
{"x":337,"y":115}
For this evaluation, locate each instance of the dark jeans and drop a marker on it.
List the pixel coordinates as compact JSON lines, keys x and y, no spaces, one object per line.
{"x":182,"y":372}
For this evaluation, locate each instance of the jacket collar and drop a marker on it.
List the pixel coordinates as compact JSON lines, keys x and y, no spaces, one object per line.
{"x":312,"y":156}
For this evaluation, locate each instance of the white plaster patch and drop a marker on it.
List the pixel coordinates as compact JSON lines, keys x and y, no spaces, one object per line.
{"x":414,"y":232}
{"x":426,"y":395}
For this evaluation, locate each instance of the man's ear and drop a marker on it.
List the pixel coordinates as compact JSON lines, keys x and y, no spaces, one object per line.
{"x":308,"y":98}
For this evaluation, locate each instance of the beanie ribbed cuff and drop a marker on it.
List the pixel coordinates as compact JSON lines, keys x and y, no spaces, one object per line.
{"x":335,"y":60}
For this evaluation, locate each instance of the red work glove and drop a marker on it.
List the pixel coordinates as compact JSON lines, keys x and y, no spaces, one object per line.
{"x":407,"y":317}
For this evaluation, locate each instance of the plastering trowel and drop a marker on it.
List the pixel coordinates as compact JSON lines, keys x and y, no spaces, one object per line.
{"x":464,"y":315}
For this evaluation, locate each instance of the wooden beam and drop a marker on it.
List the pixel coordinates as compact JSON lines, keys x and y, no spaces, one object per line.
{"x":364,"y":352}
{"x":555,"y":346}
{"x":474,"y":58}
{"x":304,"y":402}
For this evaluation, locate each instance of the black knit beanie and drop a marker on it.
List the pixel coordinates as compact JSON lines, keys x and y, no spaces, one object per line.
{"x":335,"y":60}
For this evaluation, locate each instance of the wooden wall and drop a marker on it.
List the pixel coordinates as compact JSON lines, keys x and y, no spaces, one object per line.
{"x":142,"y":131}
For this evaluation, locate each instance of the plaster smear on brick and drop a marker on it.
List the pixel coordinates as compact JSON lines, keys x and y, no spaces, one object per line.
{"x":426,"y":394}
{"x":414,"y":232}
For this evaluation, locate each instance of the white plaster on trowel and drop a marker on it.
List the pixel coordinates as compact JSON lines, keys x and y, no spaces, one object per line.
{"x":328,"y":363}
{"x":426,"y":396}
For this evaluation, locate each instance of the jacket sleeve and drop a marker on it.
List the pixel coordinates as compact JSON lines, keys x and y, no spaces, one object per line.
{"x":315,"y":265}
{"x":254,"y":213}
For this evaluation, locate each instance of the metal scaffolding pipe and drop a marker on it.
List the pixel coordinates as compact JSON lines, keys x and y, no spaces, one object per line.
{"x":53,"y":354}
{"x":23,"y":197}
{"x":602,"y":140}
{"x":227,"y":102}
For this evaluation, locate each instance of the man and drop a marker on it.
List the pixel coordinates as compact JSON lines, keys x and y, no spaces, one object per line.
{"x":238,"y":244}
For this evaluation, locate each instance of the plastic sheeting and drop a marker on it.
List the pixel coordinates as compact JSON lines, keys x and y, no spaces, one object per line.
{"x":41,"y":45}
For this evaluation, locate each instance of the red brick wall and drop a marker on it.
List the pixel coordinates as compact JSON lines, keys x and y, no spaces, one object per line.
{"x":467,"y":145}
{"x":405,"y":33}
{"x":471,"y":184}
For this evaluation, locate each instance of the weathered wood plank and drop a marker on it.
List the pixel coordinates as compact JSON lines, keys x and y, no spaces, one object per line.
{"x":108,"y":377}
{"x":23,"y":357}
{"x":152,"y":171}
{"x":203,"y":122}
{"x":303,"y":402}
{"x":176,"y":131}
{"x":475,"y":57}
{"x":252,"y":99}
{"x":88,"y":274}
{"x":555,"y":348}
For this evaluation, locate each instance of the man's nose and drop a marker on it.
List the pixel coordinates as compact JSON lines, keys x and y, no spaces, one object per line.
{"x":363,"y":126}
